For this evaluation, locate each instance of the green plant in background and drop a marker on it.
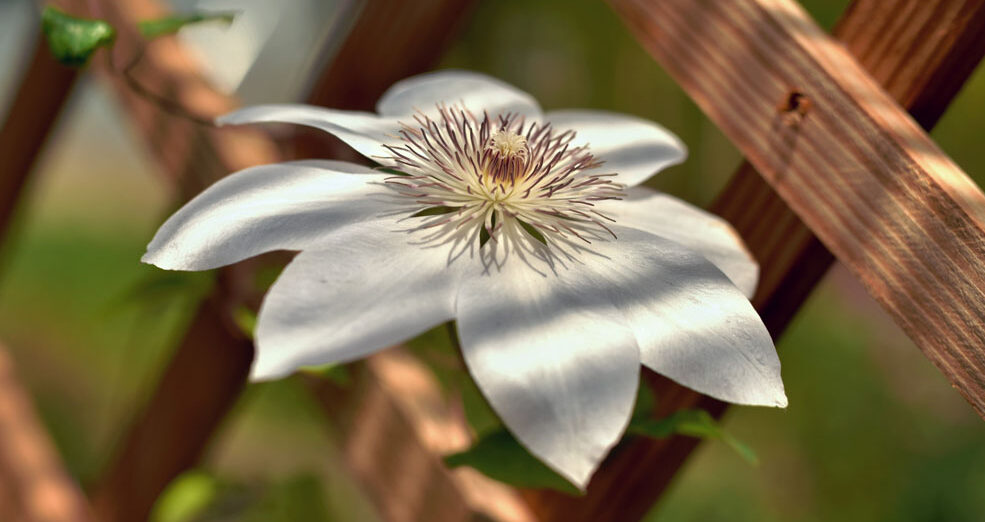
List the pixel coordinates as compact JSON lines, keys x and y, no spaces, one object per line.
{"x":498,"y":455}
{"x":73,"y":40}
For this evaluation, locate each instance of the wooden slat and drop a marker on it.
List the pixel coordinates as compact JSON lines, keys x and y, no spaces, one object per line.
{"x":34,"y":487}
{"x":40,"y":97}
{"x":855,"y":168}
{"x":177,"y":423}
{"x":925,"y":77}
{"x":209,"y":368}
{"x":391,"y":40}
{"x":395,"y":425}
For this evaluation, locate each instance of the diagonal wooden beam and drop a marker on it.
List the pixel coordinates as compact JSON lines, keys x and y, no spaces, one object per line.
{"x":395,"y":423}
{"x":39,"y":99}
{"x":921,"y":73}
{"x":848,"y":160}
{"x":389,"y":41}
{"x":34,"y":486}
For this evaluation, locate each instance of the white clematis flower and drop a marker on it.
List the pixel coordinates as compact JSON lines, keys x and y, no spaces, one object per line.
{"x":527,"y":228}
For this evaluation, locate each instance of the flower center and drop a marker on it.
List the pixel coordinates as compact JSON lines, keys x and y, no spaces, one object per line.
{"x":509,"y":155}
{"x":475,"y":181}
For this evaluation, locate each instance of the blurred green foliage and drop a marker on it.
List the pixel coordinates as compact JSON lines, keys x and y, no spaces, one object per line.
{"x":873,"y":432}
{"x":199,"y":496}
{"x":497,"y":454}
{"x":73,"y":40}
{"x":691,"y":423}
{"x":186,"y":497}
{"x":172,"y":24}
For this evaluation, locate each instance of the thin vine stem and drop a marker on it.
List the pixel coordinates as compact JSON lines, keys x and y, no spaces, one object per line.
{"x":166,"y":104}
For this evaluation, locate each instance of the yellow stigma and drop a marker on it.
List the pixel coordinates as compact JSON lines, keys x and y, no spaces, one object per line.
{"x":508,"y":145}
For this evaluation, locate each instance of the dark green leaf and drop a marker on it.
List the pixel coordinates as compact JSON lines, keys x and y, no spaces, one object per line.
{"x":171,"y":24}
{"x":646,"y":401}
{"x":691,"y":423}
{"x":395,"y":172}
{"x":73,"y":40}
{"x":484,"y":232}
{"x":435,"y":211}
{"x":499,"y":456}
{"x":533,"y":232}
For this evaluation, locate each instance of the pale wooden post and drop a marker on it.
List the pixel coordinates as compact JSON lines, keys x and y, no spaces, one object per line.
{"x":34,"y":486}
{"x":33,"y":111}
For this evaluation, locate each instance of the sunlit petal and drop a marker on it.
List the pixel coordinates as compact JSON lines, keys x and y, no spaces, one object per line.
{"x":555,"y":361}
{"x":364,"y":288}
{"x":284,"y":206}
{"x":709,"y":235}
{"x":632,"y":148}
{"x":363,"y":131}
{"x":477,"y":92}
{"x":691,"y":323}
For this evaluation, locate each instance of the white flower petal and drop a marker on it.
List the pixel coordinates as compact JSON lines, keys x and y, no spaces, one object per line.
{"x":366,"y":288}
{"x":709,"y":235}
{"x":477,"y":91}
{"x":692,"y":324}
{"x":555,"y":361}
{"x":633,"y":148}
{"x":363,"y":131}
{"x":283,"y":206}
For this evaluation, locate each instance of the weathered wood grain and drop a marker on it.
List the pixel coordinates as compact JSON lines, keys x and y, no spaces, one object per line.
{"x":855,"y":168}
{"x":395,"y":425}
{"x":34,"y":487}
{"x":921,"y":60}
{"x":40,"y":96}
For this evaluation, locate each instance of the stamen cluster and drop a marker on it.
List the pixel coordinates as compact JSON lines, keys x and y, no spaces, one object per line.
{"x":496,"y":179}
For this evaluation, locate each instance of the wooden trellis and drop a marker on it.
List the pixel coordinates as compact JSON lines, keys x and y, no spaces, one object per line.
{"x":836,"y":170}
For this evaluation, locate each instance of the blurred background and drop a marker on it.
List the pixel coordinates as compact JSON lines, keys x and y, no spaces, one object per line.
{"x":873,"y":431}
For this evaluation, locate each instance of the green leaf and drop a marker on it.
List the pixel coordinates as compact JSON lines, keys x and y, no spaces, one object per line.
{"x":245,"y":319}
{"x":171,"y":24}
{"x":499,"y":456}
{"x":646,"y":401}
{"x":434,"y":211}
{"x":533,"y":231}
{"x":159,"y":288}
{"x":691,"y":423}
{"x":395,"y":172}
{"x":336,"y":373}
{"x":73,"y":40}
{"x":185,"y":498}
